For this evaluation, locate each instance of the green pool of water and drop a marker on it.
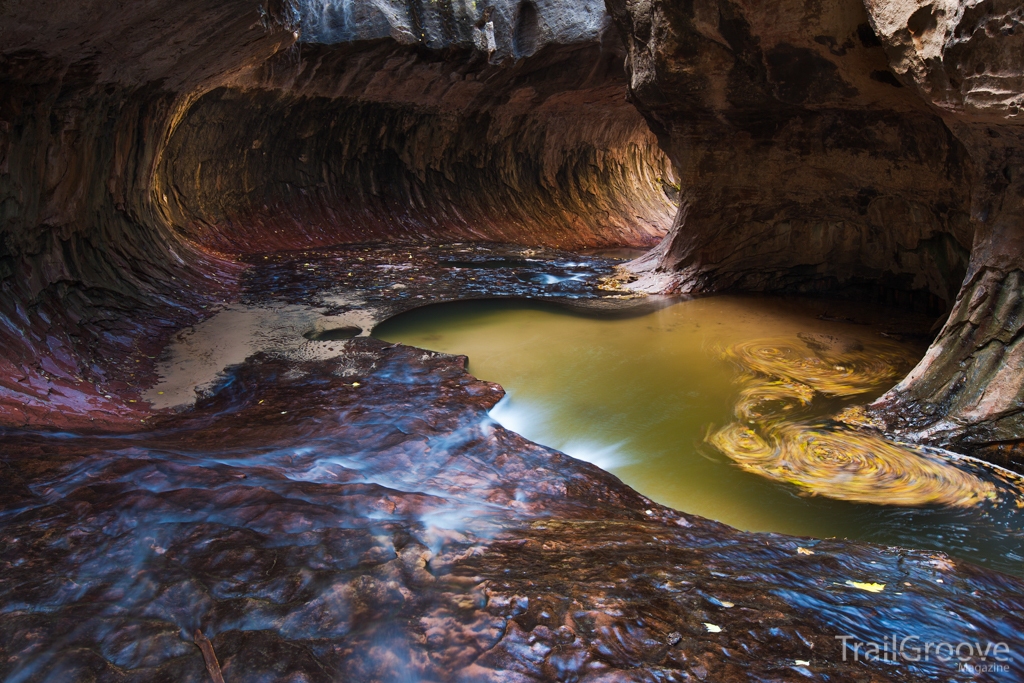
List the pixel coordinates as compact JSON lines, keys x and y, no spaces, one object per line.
{"x":638,"y":396}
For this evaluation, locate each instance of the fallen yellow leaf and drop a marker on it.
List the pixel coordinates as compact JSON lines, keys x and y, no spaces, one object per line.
{"x":870,"y":587}
{"x":712,"y":628}
{"x":805,"y":551}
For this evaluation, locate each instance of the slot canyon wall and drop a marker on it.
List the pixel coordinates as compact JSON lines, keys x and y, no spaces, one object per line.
{"x":805,"y":164}
{"x":357,"y":516}
{"x":144,"y":148}
{"x":868,"y":151}
{"x":967,"y":60}
{"x":872,"y":151}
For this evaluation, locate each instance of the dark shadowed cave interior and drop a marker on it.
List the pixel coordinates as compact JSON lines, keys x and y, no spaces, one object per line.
{"x":213,"y":471}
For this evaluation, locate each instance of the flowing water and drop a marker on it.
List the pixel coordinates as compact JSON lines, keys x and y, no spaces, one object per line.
{"x":325,"y":507}
{"x":724,"y":407}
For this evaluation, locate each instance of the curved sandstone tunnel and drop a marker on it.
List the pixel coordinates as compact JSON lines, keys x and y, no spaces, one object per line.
{"x":149,"y":151}
{"x":122,"y":178}
{"x":379,"y":142}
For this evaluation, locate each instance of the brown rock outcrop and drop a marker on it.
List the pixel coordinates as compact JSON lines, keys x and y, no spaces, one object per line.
{"x":804,"y":165}
{"x":967,"y":60}
{"x":829,"y":147}
{"x":93,"y":277}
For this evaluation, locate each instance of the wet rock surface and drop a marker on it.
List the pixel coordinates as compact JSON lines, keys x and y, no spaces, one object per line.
{"x":361,"y":517}
{"x":301,"y":305}
{"x":966,"y":60}
{"x":355,"y":514}
{"x":390,"y":279}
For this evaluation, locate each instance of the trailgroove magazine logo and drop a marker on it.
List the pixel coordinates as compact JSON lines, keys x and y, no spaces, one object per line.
{"x":974,"y":657}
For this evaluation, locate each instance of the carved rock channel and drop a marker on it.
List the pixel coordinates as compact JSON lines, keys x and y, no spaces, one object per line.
{"x":347,"y":511}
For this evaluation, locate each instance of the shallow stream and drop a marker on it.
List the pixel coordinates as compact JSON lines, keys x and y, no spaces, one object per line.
{"x":724,"y":407}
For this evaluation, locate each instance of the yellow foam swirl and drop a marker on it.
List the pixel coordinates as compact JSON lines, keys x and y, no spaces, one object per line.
{"x":840,"y":463}
{"x":836,"y":460}
{"x":760,"y":399}
{"x":832,"y":370}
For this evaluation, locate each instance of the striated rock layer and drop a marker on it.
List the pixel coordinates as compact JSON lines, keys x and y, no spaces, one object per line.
{"x":354,"y":515}
{"x":967,"y":60}
{"x":804,"y":164}
{"x":372,"y":142}
{"x":871,"y":150}
{"x":143,"y":149}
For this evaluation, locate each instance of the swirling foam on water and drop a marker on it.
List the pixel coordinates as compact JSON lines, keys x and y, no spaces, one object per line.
{"x":833,"y":460}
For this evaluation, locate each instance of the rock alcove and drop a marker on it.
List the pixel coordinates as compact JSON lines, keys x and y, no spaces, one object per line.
{"x":345,"y":510}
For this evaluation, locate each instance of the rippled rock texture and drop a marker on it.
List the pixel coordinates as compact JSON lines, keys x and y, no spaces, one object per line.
{"x":377,"y":142}
{"x":361,"y":518}
{"x":804,"y":163}
{"x":93,"y":277}
{"x":872,"y":150}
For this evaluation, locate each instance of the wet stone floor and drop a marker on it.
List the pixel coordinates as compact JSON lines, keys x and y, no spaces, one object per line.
{"x":344,"y":509}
